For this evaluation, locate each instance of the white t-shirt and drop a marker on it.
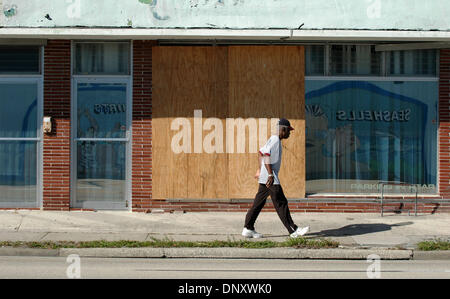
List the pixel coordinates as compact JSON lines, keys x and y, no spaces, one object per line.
{"x":271,"y":149}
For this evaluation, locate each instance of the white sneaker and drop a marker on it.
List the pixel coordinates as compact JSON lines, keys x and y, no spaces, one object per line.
{"x":300,"y":232}
{"x":251,"y":234}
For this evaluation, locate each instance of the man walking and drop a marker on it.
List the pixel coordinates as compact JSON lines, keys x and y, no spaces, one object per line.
{"x":269,"y":158}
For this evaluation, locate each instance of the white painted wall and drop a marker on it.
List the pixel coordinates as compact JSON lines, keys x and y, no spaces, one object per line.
{"x":233,"y":14}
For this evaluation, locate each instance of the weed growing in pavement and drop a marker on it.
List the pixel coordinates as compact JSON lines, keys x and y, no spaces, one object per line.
{"x":167,"y":243}
{"x":436,"y":244}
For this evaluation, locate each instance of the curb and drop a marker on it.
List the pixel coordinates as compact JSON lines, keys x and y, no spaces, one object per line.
{"x":219,"y":253}
{"x":432,"y":255}
{"x":9,"y":251}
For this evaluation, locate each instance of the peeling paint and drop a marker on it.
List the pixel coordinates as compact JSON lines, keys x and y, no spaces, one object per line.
{"x":158,"y":9}
{"x":10,"y":11}
{"x":161,"y":9}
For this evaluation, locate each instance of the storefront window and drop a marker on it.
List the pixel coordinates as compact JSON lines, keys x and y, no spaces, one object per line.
{"x":108,"y":58}
{"x":101,"y":110}
{"x":359,"y":133}
{"x":416,"y":62}
{"x":19,"y":60}
{"x":19,"y":116}
{"x":18,"y":152}
{"x":18,"y":173}
{"x":363,"y":60}
{"x":354,"y":60}
{"x":315,"y":60}
{"x":101,"y":171}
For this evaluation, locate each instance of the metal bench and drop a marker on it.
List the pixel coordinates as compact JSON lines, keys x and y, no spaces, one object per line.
{"x":383,"y":200}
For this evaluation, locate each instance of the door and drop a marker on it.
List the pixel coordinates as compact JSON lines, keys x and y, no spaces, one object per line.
{"x":100,"y":144}
{"x":20,"y":142}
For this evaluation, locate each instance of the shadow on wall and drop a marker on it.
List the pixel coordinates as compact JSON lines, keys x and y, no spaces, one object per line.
{"x":357,"y":229}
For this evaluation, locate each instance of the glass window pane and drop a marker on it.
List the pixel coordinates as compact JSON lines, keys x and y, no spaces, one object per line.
{"x":18,"y":117}
{"x":102,"y":58}
{"x":101,"y":110}
{"x":411,"y":63}
{"x":354,"y":60}
{"x":314,"y":56}
{"x":101,"y":171}
{"x":359,"y":133}
{"x":19,"y":60}
{"x":18,"y":172}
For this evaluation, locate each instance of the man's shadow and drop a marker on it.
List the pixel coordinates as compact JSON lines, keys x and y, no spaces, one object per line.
{"x":356,"y":229}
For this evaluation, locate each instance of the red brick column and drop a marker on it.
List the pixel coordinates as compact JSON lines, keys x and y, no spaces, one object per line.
{"x":142,"y":126}
{"x":444,"y":125}
{"x":56,"y":156}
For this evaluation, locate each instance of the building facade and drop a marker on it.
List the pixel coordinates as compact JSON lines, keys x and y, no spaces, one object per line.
{"x":164,"y":104}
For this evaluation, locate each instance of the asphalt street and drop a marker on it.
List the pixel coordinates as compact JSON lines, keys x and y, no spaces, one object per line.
{"x":109,"y":268}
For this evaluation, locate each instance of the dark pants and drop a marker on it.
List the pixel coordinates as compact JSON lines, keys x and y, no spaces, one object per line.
{"x":280,"y":203}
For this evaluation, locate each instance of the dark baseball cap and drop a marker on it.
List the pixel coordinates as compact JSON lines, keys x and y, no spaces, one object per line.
{"x":286,"y":123}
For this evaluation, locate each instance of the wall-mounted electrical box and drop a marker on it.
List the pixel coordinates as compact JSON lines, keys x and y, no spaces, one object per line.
{"x":47,"y":125}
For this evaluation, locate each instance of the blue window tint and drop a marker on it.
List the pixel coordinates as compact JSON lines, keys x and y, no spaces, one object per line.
{"x":101,"y":110}
{"x":18,"y":113}
{"x":101,"y":171}
{"x":18,"y":172}
{"x":360,"y":133}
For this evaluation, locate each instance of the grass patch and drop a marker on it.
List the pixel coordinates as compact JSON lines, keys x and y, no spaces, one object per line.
{"x":434,"y":245}
{"x":167,"y":243}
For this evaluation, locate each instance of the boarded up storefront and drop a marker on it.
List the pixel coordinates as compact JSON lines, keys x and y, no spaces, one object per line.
{"x":203,"y":98}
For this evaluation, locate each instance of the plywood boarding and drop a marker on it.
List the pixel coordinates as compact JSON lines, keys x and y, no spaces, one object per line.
{"x":207,"y":171}
{"x":186,"y":79}
{"x":268,"y":82}
{"x":251,"y":83}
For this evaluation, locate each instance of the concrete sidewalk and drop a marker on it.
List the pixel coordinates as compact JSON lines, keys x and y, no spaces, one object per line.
{"x":352,"y":231}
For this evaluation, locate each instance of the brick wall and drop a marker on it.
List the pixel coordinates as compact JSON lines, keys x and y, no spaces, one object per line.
{"x":444,"y":124}
{"x":56,"y":156}
{"x":142,"y":126}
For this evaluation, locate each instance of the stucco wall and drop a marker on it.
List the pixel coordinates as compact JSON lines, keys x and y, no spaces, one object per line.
{"x":235,"y":14}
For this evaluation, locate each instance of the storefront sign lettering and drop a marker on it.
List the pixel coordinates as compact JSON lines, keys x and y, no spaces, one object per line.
{"x":368,"y":115}
{"x":406,"y":188}
{"x":109,"y":108}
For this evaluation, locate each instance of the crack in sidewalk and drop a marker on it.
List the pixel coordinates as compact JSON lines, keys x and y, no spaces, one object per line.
{"x":20,"y":223}
{"x":45,"y":235}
